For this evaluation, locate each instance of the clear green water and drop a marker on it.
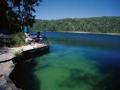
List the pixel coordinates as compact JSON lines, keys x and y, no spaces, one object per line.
{"x":67,"y":68}
{"x":72,"y":66}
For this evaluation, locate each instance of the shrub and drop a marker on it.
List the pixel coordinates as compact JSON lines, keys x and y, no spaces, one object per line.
{"x":17,"y":39}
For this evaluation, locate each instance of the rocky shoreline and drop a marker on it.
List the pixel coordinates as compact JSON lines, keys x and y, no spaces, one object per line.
{"x":7,"y":66}
{"x":7,"y":84}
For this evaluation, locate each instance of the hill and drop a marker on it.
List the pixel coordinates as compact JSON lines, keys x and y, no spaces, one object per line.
{"x":106,"y":24}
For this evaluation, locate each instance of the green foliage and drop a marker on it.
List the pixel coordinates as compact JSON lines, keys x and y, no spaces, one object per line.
{"x":14,"y":14}
{"x":97,"y":24}
{"x":18,"y":39}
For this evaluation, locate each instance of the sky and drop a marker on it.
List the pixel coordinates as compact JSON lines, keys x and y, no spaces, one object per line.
{"x":58,"y":9}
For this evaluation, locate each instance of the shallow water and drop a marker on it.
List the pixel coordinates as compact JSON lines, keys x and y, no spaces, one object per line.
{"x":77,"y":65}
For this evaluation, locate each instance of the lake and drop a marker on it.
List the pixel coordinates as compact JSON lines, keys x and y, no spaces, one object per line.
{"x":76,"y":62}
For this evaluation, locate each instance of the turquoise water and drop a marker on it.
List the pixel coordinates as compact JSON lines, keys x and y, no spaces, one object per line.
{"x":76,"y":65}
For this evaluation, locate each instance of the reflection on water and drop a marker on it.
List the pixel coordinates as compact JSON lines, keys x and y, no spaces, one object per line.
{"x":73,"y":65}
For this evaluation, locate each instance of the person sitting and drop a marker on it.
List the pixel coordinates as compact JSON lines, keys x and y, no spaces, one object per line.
{"x":39,"y":38}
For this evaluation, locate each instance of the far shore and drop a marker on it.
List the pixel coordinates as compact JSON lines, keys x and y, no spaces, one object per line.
{"x":117,"y":34}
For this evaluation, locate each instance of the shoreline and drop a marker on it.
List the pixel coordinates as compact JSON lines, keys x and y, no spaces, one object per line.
{"x":118,"y":34}
{"x":99,"y":33}
{"x":7,"y":65}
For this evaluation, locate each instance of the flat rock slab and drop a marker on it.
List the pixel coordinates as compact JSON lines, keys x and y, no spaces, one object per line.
{"x":9,"y":53}
{"x":6,"y":68}
{"x":6,"y":64}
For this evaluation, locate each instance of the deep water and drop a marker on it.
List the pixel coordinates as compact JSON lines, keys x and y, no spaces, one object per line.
{"x":76,"y":64}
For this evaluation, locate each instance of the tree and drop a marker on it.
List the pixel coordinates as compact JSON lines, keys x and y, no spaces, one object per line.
{"x":14,"y":14}
{"x":95,"y":24}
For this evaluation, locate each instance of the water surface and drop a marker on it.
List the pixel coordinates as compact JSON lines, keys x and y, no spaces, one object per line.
{"x":78,"y":62}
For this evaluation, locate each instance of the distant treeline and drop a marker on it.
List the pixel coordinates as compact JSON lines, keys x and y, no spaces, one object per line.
{"x":96,"y":24}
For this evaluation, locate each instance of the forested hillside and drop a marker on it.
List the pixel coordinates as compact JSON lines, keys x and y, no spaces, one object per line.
{"x":95,"y":24}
